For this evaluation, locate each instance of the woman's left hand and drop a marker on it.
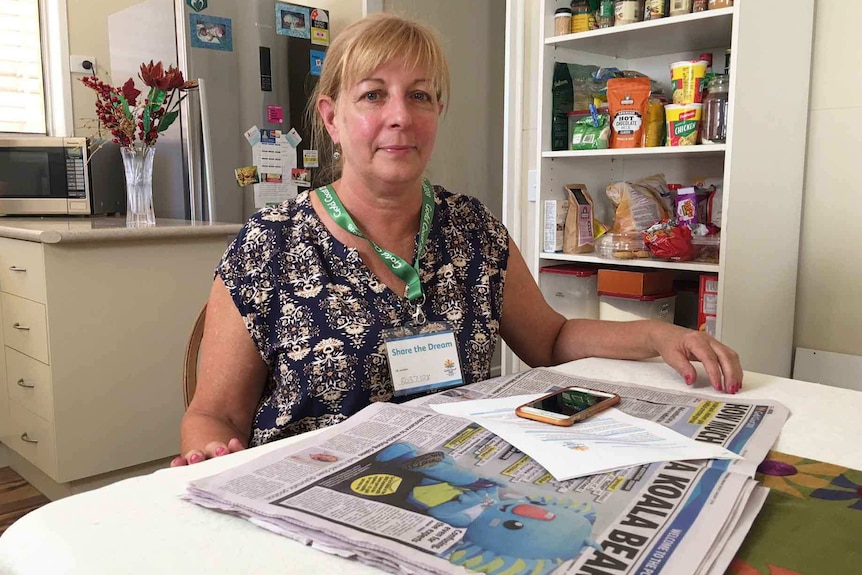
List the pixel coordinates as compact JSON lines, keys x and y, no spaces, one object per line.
{"x":679,"y":346}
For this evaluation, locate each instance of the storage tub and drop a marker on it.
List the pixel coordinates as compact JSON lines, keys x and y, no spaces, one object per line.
{"x":571,"y":290}
{"x":617,"y":307}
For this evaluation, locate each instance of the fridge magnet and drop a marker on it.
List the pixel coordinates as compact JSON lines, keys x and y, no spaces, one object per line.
{"x":211,"y":32}
{"x":317,"y":57}
{"x":252,"y":135}
{"x":319,"y":27}
{"x":270,"y":136}
{"x":197,"y":5}
{"x":246,"y":175}
{"x":309,"y":159}
{"x":300,"y":177}
{"x":274,"y":114}
{"x":293,"y":138}
{"x":292,"y":20}
{"x":271,"y":178}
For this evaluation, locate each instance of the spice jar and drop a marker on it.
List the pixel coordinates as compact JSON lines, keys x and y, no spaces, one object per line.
{"x":606,"y":13}
{"x":626,"y":12}
{"x":715,"y":106}
{"x":562,"y":21}
{"x":716,"y":4}
{"x":700,"y":6}
{"x":655,"y":9}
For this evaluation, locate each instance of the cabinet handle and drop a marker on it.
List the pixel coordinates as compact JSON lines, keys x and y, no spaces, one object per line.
{"x":17,"y":269}
{"x":17,"y":325}
{"x":22,"y":384}
{"x":27,"y":439}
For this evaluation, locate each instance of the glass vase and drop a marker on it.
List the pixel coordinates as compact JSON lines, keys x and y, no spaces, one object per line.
{"x":138,"y":164}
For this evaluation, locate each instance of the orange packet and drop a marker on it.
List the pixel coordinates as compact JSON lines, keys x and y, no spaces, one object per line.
{"x":627,"y":104}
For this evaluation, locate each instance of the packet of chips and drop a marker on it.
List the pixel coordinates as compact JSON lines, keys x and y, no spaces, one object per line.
{"x":669,"y":240}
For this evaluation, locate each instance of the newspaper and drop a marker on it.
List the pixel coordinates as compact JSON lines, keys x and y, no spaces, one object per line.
{"x":408,"y":490}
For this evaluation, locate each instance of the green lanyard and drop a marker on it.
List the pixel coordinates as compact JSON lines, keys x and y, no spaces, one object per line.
{"x":409,"y":274}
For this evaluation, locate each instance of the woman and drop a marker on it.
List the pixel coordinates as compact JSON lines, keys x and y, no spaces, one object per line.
{"x":298,"y":312}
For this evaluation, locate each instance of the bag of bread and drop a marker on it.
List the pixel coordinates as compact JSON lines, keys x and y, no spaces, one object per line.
{"x":640,"y":204}
{"x":579,"y":221}
{"x":627,"y":103}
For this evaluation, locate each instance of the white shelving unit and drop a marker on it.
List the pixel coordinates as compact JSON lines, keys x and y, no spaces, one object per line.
{"x":761,"y":164}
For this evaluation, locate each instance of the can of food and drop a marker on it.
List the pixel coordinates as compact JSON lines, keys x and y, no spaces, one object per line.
{"x":686,"y":78}
{"x":683,"y":123}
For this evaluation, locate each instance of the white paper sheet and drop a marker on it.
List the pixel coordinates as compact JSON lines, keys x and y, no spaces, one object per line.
{"x":606,"y":441}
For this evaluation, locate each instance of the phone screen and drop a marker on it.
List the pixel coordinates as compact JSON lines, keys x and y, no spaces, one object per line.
{"x":568,"y":402}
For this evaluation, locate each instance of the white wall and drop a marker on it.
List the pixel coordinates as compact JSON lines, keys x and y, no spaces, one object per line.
{"x":829,"y":296}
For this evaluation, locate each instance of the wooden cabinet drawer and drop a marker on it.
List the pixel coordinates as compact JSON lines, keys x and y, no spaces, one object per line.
{"x":25,"y":326}
{"x":33,"y":438}
{"x":22,"y":269}
{"x":29,"y":383}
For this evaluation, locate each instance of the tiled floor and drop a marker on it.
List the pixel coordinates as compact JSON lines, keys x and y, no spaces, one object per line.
{"x":17,"y":498}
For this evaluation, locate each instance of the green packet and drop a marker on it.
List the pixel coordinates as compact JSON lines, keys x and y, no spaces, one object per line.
{"x":589,"y":134}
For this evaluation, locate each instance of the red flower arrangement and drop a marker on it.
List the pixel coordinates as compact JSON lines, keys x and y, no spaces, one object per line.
{"x":128,"y":120}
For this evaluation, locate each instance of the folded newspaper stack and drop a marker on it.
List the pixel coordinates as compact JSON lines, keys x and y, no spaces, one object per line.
{"x":408,"y":490}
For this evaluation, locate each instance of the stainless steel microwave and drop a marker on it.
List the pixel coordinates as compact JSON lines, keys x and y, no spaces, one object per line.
{"x":54,"y":175}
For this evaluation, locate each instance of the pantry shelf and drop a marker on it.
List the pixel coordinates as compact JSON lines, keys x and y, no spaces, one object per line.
{"x":662,"y":151}
{"x":691,"y":32}
{"x":637,"y":263}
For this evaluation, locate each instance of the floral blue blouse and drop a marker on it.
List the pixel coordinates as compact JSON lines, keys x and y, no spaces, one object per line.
{"x":316,"y":313}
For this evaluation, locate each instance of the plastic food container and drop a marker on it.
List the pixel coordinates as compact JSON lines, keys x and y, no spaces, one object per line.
{"x":571,"y":290}
{"x":683,"y":124}
{"x":622,"y":247}
{"x":687,"y":79}
{"x":617,"y":307}
{"x":706,"y":248}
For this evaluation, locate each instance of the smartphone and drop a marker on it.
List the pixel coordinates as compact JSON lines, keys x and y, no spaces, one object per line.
{"x":568,"y":406}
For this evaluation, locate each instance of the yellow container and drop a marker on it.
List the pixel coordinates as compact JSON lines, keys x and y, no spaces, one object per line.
{"x":686,"y":80}
{"x":683,"y":123}
{"x":654,"y":123}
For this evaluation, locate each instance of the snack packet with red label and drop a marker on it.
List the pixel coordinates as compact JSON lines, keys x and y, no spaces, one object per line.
{"x":669,"y":240}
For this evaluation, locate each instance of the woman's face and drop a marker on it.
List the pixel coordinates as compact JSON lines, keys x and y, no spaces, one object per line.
{"x":386,"y":124}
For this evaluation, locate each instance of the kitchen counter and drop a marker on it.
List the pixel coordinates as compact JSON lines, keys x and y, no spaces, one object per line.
{"x":69,"y":230}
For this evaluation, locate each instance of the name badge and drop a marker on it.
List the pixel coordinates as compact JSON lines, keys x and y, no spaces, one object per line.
{"x":422,"y":359}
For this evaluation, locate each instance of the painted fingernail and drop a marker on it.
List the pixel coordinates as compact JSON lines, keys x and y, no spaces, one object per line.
{"x":220,"y":451}
{"x":196,"y":458}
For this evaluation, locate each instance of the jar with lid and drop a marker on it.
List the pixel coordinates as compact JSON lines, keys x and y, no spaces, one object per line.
{"x":715,"y":106}
{"x":562,"y":21}
{"x":627,"y":12}
{"x":679,"y":7}
{"x":716,"y":4}
{"x":583,"y":18}
{"x":700,"y":6}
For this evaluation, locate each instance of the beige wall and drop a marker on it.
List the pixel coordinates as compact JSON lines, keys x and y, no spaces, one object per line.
{"x":88,"y":36}
{"x":828,"y":304}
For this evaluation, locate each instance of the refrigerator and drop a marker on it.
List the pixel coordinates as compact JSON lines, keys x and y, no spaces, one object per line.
{"x":257,"y":62}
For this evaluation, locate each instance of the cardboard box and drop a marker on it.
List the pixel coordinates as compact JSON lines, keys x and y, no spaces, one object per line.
{"x":707,"y":303}
{"x":621,"y":282}
{"x":554,"y":225}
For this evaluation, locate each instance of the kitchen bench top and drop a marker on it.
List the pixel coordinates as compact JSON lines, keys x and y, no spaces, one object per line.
{"x":100,"y":229}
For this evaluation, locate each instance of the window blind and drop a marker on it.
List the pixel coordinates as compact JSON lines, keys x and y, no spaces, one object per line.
{"x":22,"y":97}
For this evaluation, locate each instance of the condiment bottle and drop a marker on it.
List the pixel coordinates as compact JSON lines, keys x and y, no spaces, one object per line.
{"x":562,"y":21}
{"x":715,"y":106}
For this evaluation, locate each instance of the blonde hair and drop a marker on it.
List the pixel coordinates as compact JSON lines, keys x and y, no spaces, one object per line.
{"x":360,"y":49}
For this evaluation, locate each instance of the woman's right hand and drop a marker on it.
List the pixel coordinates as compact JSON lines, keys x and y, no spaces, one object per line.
{"x":212,"y":449}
